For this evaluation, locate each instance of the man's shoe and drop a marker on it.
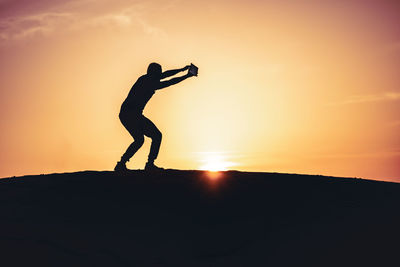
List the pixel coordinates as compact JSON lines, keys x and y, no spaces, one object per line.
{"x":120,"y":167}
{"x":152,"y":167}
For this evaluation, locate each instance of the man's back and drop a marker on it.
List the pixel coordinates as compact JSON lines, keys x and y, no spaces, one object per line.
{"x":140,"y":93}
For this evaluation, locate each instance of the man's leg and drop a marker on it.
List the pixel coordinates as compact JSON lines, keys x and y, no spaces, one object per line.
{"x":135,"y":128}
{"x":133,"y":148}
{"x":150,"y":130}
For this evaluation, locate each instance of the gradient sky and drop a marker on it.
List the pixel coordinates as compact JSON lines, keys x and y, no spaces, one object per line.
{"x":299,"y":86}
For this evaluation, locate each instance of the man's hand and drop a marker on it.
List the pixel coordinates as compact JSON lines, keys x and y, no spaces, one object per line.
{"x":186,"y":67}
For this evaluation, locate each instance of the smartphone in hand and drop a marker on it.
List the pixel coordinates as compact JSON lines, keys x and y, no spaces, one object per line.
{"x":193,"y":69}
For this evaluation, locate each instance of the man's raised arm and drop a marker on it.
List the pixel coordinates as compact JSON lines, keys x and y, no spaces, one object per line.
{"x":173,"y":81}
{"x":169,"y":73}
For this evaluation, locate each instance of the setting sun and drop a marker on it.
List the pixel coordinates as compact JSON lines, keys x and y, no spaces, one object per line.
{"x":214,"y":161}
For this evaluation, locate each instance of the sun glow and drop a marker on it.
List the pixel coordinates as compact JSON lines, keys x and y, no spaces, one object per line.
{"x":215,"y":162}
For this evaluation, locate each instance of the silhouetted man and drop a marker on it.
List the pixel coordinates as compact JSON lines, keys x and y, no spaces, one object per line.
{"x":131,"y":114}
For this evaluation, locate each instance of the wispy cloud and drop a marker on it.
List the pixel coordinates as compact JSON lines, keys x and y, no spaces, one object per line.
{"x":394,"y":123}
{"x":45,"y":23}
{"x":377,"y":154}
{"x":354,"y":99}
{"x":117,"y":19}
{"x":17,"y":28}
{"x":131,"y":16}
{"x":393,"y":47}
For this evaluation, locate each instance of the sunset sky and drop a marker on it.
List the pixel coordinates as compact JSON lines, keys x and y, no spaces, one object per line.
{"x":295,"y":86}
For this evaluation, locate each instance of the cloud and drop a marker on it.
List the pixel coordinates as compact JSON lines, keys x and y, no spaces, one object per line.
{"x":377,"y":154}
{"x":394,"y":123}
{"x":121,"y":20}
{"x":393,"y":47}
{"x":133,"y":15}
{"x":45,"y":23}
{"x":150,"y":29}
{"x":388,"y":96}
{"x":17,"y":28}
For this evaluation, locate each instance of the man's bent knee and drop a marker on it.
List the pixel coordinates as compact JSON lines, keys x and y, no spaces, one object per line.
{"x":139,"y":140}
{"x":157,"y":136}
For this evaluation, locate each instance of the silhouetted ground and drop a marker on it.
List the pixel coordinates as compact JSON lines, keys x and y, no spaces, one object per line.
{"x":186,"y":218}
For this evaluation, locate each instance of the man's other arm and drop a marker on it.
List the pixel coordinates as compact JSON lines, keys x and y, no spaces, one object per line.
{"x":169,"y":73}
{"x":173,"y":81}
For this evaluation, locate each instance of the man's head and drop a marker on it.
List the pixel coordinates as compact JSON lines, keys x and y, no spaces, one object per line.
{"x":154,"y":70}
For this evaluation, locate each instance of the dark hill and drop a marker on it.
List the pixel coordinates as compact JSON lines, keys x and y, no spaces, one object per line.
{"x":185,"y":218}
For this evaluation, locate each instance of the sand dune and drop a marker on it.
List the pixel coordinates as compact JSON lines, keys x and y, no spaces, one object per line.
{"x":188,"y":218}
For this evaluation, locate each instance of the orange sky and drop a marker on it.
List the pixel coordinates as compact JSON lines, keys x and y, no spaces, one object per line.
{"x":284,"y":86}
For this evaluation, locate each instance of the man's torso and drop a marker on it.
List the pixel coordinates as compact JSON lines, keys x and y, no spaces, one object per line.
{"x":140,"y":93}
